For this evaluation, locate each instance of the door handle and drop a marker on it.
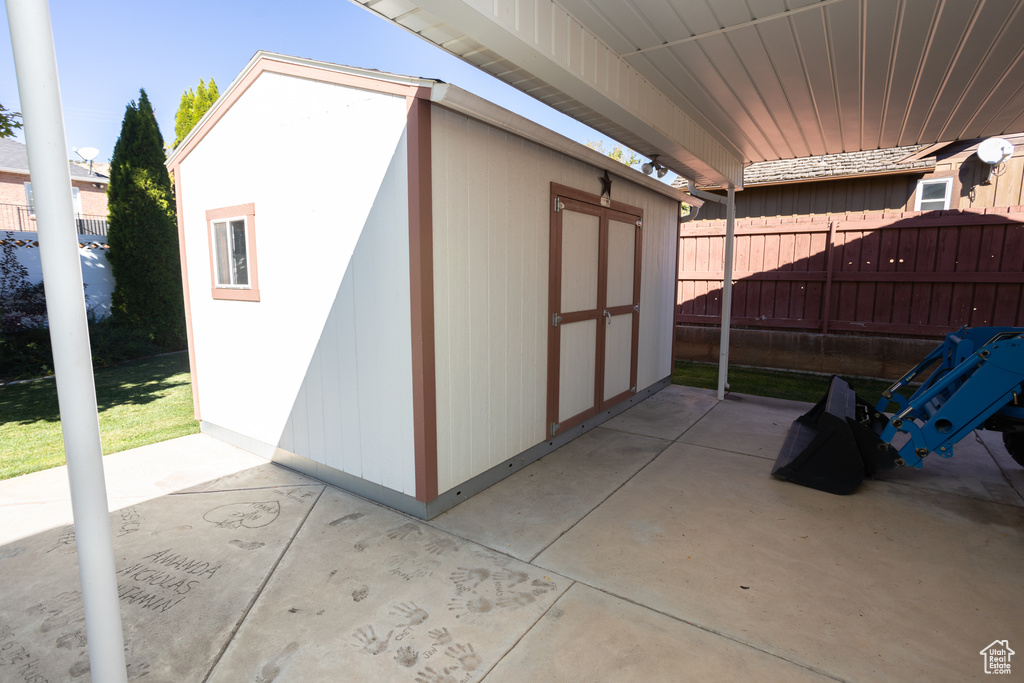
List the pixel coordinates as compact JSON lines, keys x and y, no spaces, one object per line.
{"x":608,"y":315}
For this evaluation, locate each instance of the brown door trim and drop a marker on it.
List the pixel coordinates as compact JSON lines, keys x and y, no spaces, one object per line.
{"x":566,"y":198}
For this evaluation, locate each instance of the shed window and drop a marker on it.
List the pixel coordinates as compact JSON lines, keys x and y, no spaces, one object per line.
{"x":934,"y":194}
{"x":231,"y":256}
{"x":232,"y":235}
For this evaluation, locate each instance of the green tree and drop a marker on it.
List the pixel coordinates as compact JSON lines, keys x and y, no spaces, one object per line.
{"x":143,"y":235}
{"x":193,"y":105}
{"x":8,"y":122}
{"x":623,"y":155}
{"x":183,"y":121}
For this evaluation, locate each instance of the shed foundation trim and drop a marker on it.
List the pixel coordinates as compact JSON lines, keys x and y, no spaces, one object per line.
{"x":408,"y":504}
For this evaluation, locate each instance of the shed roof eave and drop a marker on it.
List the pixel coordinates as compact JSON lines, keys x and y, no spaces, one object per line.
{"x":464,"y":102}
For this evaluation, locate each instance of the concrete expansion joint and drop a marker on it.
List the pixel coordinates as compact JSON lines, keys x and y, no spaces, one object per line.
{"x":193,"y":492}
{"x":266,"y":580}
{"x":706,"y":629}
{"x":603,"y":500}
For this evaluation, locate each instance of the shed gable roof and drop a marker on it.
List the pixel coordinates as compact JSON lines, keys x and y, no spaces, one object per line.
{"x":438,"y":92}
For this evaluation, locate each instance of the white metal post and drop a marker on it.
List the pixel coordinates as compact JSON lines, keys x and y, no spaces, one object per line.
{"x":723,"y":347}
{"x":35,"y":63}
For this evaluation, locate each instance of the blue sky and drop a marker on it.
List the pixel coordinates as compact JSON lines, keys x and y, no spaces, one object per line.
{"x":108,"y":49}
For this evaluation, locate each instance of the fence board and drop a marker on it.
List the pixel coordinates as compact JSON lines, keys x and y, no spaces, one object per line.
{"x":894,"y":273}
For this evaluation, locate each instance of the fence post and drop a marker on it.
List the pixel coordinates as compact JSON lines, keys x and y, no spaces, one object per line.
{"x":829,"y":261}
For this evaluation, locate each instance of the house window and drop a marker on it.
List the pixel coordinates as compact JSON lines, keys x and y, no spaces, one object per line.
{"x":30,"y":201}
{"x":933,"y":194}
{"x":232,"y":238}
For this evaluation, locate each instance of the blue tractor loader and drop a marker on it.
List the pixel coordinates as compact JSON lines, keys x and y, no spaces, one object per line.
{"x":975,"y":381}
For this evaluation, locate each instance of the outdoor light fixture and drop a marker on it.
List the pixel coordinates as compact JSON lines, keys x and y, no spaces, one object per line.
{"x":653,"y":165}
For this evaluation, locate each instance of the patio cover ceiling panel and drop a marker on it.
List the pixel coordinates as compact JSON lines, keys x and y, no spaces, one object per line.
{"x":706,"y":83}
{"x":536,"y":46}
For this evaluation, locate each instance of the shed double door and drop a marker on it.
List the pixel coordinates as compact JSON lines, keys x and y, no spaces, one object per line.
{"x":594,"y":302}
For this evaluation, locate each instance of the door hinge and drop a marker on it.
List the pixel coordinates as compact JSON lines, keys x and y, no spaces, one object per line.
{"x":636,"y":308}
{"x":558,"y":205}
{"x":555,"y":319}
{"x":632,"y":390}
{"x":554,"y":428}
{"x":640,"y":223}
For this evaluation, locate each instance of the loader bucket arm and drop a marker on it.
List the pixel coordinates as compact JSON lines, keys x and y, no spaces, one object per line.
{"x":978,"y":381}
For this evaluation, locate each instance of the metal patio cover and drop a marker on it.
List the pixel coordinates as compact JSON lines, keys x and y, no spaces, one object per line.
{"x":712,"y":85}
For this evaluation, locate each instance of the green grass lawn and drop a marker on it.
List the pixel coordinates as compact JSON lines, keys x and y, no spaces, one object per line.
{"x":797,"y":386}
{"x":140,"y":402}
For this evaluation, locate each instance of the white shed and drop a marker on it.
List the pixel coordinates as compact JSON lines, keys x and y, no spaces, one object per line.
{"x":406,"y":291}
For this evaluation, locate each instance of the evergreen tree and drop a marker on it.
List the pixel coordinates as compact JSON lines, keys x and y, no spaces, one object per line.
{"x":183,"y":121}
{"x":193,"y":105}
{"x":143,"y":235}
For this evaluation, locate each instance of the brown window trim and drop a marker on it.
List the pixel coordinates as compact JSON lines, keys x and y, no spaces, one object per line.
{"x":248,"y":211}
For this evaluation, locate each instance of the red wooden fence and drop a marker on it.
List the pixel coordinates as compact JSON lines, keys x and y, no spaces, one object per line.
{"x":886,"y":273}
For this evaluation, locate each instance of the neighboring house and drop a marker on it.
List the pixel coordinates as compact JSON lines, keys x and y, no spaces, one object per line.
{"x":860,"y":262}
{"x":439,"y":294}
{"x":17,"y":204}
{"x":917,"y":178}
{"x":18,"y":223}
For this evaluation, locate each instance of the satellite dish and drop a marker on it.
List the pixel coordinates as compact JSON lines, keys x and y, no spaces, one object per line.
{"x":87,"y":153}
{"x":994,"y":151}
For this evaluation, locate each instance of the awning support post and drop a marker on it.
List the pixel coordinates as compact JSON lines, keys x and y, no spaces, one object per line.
{"x":730,"y":237}
{"x":35,"y":63}
{"x":723,"y":346}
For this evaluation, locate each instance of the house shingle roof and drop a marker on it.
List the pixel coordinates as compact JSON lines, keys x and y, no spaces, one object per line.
{"x":14,"y":157}
{"x":847,"y":164}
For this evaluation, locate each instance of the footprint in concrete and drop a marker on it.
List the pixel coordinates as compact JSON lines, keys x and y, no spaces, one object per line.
{"x":359,"y":594}
{"x":367,"y":639}
{"x":79,"y":669}
{"x":73,"y":640}
{"x":413,"y":615}
{"x":402,"y":532}
{"x":272,"y":669}
{"x":250,"y":515}
{"x":511,"y":577}
{"x":362,"y":544}
{"x":62,"y":612}
{"x":137,"y":670}
{"x":470,"y":578}
{"x":244,"y":545}
{"x":347,"y":518}
{"x":474,"y":604}
{"x":429,"y":675}
{"x":468,"y":659}
{"x":440,"y":546}
{"x":6,"y":553}
{"x":407,"y":656}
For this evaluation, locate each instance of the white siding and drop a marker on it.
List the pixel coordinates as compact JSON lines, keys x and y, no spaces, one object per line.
{"x":321,"y":365}
{"x":491,"y":221}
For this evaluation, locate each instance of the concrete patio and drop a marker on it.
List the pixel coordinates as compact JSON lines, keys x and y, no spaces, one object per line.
{"x":653,"y":548}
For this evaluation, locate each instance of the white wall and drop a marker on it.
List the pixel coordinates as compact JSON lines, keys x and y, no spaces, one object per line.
{"x":491,"y":230}
{"x":321,"y":365}
{"x":96,"y":274}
